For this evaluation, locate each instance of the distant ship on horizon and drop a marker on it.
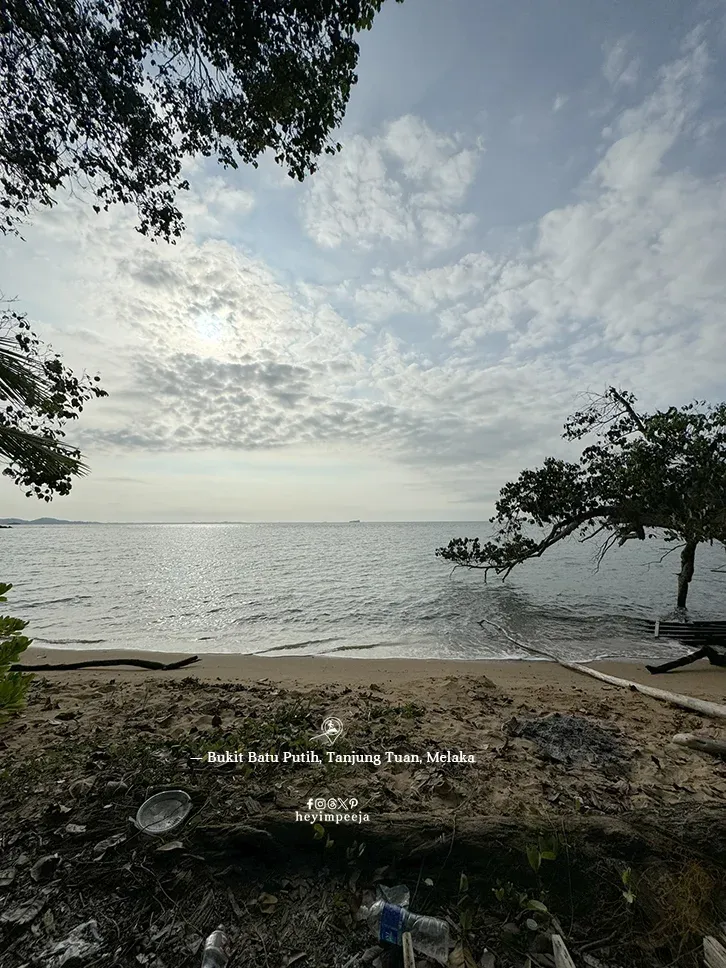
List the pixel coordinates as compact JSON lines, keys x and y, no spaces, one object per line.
{"x":354,"y":521}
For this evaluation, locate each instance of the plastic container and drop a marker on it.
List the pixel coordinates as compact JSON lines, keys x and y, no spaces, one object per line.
{"x":163,"y":812}
{"x":430,"y":936}
{"x":216,"y":950}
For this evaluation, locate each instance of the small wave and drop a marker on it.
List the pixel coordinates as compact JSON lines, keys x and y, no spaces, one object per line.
{"x":257,"y":617}
{"x":296,"y":645}
{"x":69,"y":641}
{"x":355,"y":648}
{"x":73,"y":599}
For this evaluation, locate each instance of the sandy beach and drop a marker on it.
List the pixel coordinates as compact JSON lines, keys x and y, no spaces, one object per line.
{"x":700,"y":679}
{"x":427,"y":704}
{"x":475,"y":760}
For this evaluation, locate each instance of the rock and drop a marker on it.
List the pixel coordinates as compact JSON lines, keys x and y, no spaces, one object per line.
{"x":7,"y":876}
{"x":67,"y":714}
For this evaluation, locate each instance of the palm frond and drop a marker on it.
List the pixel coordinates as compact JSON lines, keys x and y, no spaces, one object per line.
{"x":49,"y":456}
{"x":22,"y":380}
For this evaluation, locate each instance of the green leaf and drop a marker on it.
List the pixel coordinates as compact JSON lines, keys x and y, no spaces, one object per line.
{"x":319,"y":831}
{"x":463,"y":884}
{"x":534,"y":905}
{"x":534,"y":857}
{"x":466,"y":919}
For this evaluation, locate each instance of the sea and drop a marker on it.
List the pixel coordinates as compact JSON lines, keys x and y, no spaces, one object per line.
{"x":367,"y":590}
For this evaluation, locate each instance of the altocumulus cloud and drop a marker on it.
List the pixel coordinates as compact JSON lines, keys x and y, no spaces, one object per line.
{"x":403,"y":185}
{"x":631,"y":277}
{"x":460,"y":366}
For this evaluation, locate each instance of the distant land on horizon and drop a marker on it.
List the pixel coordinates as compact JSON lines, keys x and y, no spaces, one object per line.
{"x":10,"y":522}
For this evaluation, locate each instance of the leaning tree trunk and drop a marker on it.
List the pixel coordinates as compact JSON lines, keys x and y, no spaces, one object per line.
{"x":688,"y":557}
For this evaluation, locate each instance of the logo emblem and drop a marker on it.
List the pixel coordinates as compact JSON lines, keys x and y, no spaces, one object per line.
{"x":331,"y":730}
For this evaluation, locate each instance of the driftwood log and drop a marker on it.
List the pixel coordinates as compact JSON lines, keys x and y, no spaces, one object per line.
{"x":705,"y":652}
{"x":94,"y":663}
{"x":705,"y":744}
{"x":702,"y":706}
{"x":562,"y":955}
{"x":714,"y":953}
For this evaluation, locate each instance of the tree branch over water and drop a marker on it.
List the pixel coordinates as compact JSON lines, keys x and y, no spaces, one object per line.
{"x":644,"y":474}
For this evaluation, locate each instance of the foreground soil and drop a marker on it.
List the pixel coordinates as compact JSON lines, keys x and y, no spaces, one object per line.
{"x":578,"y":816}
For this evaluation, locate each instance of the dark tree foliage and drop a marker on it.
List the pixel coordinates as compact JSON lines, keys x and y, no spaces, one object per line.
{"x":38,"y":395}
{"x":645,"y":475}
{"x":112,"y":95}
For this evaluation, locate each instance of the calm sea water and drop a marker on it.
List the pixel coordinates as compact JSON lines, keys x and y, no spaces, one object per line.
{"x":368,"y":590}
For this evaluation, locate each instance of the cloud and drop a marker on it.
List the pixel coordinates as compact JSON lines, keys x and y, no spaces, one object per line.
{"x":632,"y":275}
{"x":559,"y":102}
{"x":619,"y":69}
{"x":460,"y":368}
{"x":400,"y":186}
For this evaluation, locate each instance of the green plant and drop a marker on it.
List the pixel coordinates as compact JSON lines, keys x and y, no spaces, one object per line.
{"x":627,"y":878}
{"x":13,"y":685}
{"x":465,"y":905}
{"x":545,"y":849}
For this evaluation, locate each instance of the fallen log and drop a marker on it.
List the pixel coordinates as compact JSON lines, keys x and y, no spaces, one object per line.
{"x":562,"y":955}
{"x":486,"y":842}
{"x":702,"y":706}
{"x":714,"y":953}
{"x":93,"y":663}
{"x":705,"y":652}
{"x":702,"y":743}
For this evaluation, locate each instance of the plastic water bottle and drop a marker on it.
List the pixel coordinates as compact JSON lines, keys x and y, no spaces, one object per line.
{"x":216,"y":950}
{"x":430,"y":936}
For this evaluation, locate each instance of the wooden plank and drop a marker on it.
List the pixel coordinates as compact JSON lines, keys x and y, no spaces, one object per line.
{"x":409,"y":960}
{"x":703,"y":706}
{"x":714,"y":953}
{"x":657,"y":629}
{"x":562,"y":955}
{"x":705,"y":744}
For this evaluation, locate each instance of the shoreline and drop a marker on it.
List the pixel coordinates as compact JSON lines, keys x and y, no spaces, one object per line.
{"x":700,"y":679}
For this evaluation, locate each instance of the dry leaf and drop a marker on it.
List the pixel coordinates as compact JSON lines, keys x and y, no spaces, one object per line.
{"x":461,"y":957}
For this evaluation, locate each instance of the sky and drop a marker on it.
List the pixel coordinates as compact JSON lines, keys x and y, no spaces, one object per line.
{"x":530,"y":205}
